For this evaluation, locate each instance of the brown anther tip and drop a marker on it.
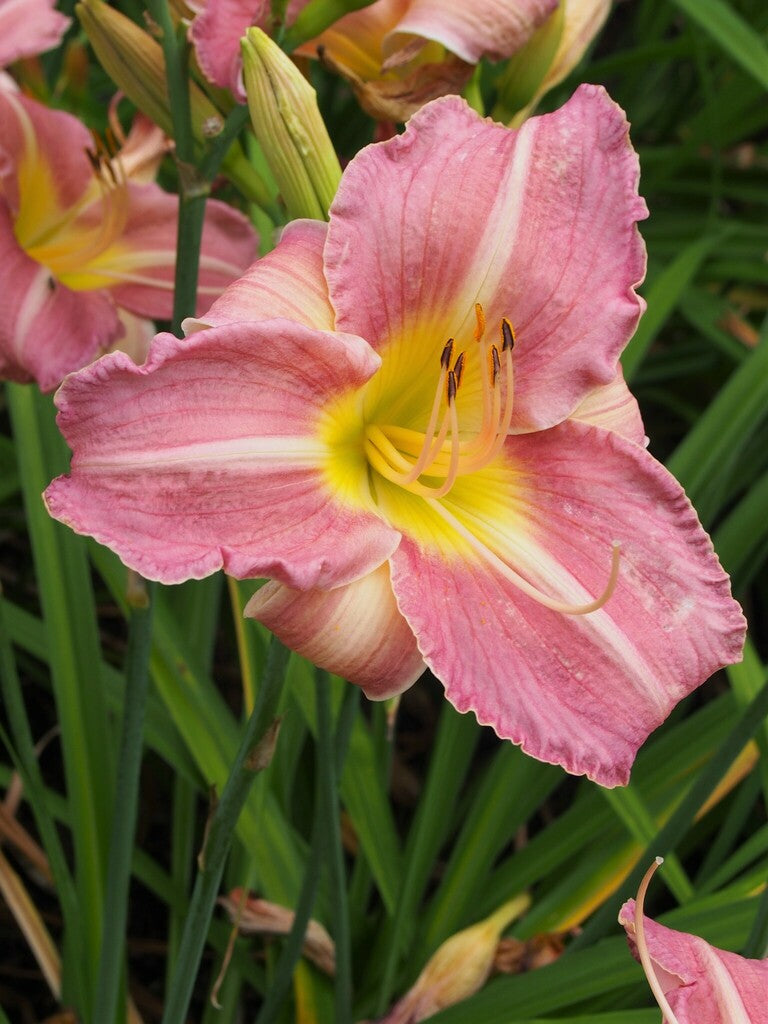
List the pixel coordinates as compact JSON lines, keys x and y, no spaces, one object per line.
{"x":496,"y":364}
{"x":458,"y":368}
{"x":445,"y":355}
{"x":507,"y":335}
{"x":480,"y":317}
{"x":93,"y":159}
{"x":452,"y":386}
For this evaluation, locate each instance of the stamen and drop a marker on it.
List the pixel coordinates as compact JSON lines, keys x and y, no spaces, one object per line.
{"x":445,"y":356}
{"x":458,"y":368}
{"x":451,"y":387}
{"x":495,"y":365}
{"x":480,"y":317}
{"x":507,"y":335}
{"x":642,"y":946}
{"x":522,"y":584}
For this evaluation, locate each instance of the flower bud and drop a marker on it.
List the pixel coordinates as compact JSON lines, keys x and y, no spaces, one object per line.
{"x":458,"y":968}
{"x":288,"y":125}
{"x":135,"y":62}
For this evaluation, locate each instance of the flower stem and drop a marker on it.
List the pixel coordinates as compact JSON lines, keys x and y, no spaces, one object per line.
{"x":220,"y":836}
{"x":329,"y":767}
{"x":126,"y":805}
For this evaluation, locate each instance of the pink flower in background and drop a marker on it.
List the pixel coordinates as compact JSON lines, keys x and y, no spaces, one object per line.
{"x":29,"y":27}
{"x":693,"y":982}
{"x":398,"y":54}
{"x":412,"y":421}
{"x":84,"y":243}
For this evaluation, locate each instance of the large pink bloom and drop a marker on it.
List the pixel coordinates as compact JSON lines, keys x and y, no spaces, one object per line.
{"x":84,"y":241}
{"x":416,"y":502}
{"x":398,"y":54}
{"x":693,"y":982}
{"x":29,"y":27}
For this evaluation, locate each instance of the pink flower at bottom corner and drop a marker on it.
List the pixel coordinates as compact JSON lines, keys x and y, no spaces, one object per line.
{"x":694,"y":982}
{"x":412,"y":422}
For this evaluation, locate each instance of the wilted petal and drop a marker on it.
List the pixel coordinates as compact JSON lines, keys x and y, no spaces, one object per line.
{"x":46,"y":330}
{"x":355,"y":631}
{"x":548,"y":240}
{"x":29,"y":27}
{"x":485,"y":28}
{"x":209,"y":456}
{"x":287,"y":282}
{"x":583,"y":691}
{"x":703,"y":984}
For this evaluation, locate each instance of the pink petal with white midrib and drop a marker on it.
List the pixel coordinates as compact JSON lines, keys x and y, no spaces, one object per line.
{"x":287,"y":282}
{"x":538,"y":226}
{"x":354,"y":631}
{"x":208,"y":457}
{"x":703,"y":984}
{"x":582,"y":691}
{"x":46,"y":330}
{"x":484,"y":28}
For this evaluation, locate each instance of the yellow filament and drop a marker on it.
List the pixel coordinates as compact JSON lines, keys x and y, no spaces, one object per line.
{"x":642,"y":946}
{"x":522,"y":584}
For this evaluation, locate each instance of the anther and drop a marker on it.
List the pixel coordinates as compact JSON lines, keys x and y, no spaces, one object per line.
{"x":452,"y":386}
{"x":507,"y":335}
{"x":495,"y":364}
{"x":480,"y":316}
{"x":458,"y":368}
{"x":445,"y":356}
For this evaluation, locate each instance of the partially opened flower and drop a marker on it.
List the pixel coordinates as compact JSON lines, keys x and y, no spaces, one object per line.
{"x":29,"y":27}
{"x":80,"y":241}
{"x":398,"y":54}
{"x":412,"y":421}
{"x":693,"y":982}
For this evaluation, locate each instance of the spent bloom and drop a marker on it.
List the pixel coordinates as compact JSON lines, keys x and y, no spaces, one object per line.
{"x":29,"y":27}
{"x":399,"y":54}
{"x":412,"y":421}
{"x":693,"y":982}
{"x":87,"y":243}
{"x":458,"y":969}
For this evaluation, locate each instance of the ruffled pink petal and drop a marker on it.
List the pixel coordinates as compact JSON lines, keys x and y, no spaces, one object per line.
{"x":209,"y":455}
{"x":216,"y":34}
{"x":29,"y":27}
{"x":355,"y":631}
{"x":287,"y":282}
{"x":136,"y":337}
{"x":703,"y":984}
{"x":46,"y":330}
{"x":485,"y":28}
{"x":537,"y":225}
{"x":583,"y":691}
{"x":141,"y":263}
{"x":613,"y":407}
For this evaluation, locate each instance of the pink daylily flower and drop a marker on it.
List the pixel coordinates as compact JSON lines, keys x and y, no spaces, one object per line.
{"x":29,"y":27}
{"x":398,"y":54}
{"x":693,"y":982}
{"x":83,"y":238}
{"x":417,"y":500}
